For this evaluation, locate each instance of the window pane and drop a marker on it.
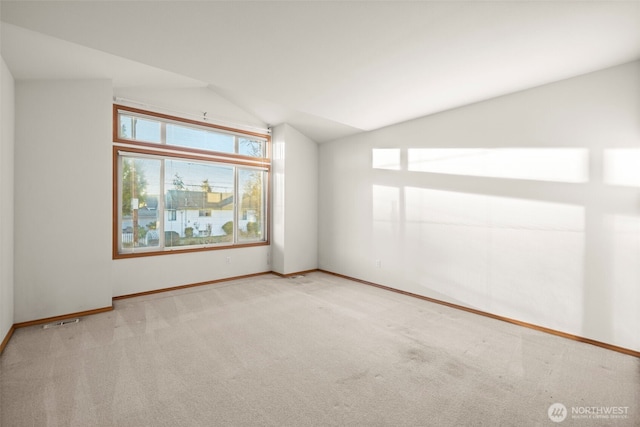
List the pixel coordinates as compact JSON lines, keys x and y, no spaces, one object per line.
{"x":139,"y":201}
{"x":198,"y":203}
{"x":250,"y":205}
{"x":251,"y":147}
{"x":132,"y":127}
{"x":125,"y":130}
{"x":199,"y":138}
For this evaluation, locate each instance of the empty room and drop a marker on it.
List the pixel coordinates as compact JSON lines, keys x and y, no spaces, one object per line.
{"x":315,"y":213}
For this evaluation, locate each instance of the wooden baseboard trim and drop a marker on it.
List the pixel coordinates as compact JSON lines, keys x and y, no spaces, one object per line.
{"x":191,"y":285}
{"x":611,"y":347}
{"x":5,"y":341}
{"x":299,"y":273}
{"x":62,"y":317}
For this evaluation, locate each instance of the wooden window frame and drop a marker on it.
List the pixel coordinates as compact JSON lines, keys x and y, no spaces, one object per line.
{"x":163,"y":150}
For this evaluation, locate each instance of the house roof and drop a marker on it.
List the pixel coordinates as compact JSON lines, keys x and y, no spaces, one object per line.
{"x":186,"y":199}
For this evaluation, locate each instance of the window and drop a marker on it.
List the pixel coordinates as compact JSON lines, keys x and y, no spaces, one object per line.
{"x":182,"y":185}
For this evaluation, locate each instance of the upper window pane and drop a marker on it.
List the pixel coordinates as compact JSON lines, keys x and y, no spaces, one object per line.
{"x":139,"y":129}
{"x":251,"y":147}
{"x":199,"y":138}
{"x":140,"y":126}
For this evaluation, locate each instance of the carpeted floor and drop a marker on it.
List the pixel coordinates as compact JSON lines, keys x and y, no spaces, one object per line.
{"x":309,"y":351}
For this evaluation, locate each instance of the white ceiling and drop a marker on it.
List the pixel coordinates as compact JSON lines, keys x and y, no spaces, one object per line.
{"x":328,"y":68}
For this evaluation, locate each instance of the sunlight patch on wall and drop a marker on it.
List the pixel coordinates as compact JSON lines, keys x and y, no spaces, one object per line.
{"x":517,"y":258}
{"x":622,"y":166}
{"x":386,"y":203}
{"x":386,"y":228}
{"x":386,"y":158}
{"x":449,"y":207}
{"x":624,"y":276}
{"x":540,"y":164}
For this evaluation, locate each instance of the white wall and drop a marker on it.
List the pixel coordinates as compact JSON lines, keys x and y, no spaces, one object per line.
{"x":64,"y":176}
{"x":164,"y":271}
{"x":278,"y":168}
{"x":295,"y":201}
{"x":6,"y":198}
{"x":190,"y":101}
{"x":546,"y":236}
{"x":62,"y":197}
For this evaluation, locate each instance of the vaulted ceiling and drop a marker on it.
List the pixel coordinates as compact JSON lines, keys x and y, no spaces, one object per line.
{"x":328,"y":68}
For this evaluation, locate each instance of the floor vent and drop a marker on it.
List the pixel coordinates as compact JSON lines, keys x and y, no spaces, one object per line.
{"x":296,"y":276}
{"x":61,"y":323}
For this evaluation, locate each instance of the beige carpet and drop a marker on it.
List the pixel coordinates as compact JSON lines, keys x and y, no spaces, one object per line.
{"x":314,"y":350}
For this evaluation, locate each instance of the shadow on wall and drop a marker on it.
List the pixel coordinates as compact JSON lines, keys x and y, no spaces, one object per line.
{"x":540,"y":261}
